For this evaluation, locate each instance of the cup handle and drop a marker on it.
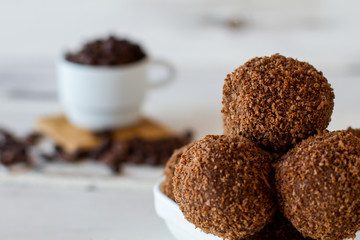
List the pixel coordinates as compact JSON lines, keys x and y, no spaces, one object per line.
{"x":169,"y":76}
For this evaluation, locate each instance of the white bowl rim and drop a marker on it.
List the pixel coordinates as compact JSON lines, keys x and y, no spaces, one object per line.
{"x":158,"y":193}
{"x":170,"y":212}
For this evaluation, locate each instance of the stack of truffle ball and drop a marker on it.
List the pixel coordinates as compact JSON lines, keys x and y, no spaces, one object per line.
{"x":277,"y":173}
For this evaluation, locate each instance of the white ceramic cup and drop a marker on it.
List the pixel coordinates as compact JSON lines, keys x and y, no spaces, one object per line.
{"x":106,"y":97}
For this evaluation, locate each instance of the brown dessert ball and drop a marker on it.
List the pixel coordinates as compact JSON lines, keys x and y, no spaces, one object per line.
{"x":221,"y":186}
{"x":279,"y":229}
{"x":318,"y":184}
{"x":170,"y":168}
{"x":276,"y":101}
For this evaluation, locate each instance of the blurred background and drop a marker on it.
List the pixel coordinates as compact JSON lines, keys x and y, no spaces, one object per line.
{"x":202,"y":33}
{"x":203,"y":39}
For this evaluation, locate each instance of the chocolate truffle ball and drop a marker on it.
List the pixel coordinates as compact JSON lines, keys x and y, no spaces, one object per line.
{"x":318,"y":185}
{"x":221,"y":186}
{"x":279,"y":229}
{"x":170,"y":168}
{"x":276,"y":102}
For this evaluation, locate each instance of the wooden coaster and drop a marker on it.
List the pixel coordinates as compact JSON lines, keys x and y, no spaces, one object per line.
{"x":72,"y":138}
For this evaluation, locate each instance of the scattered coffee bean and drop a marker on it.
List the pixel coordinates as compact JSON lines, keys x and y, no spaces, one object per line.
{"x":32,"y":138}
{"x":139,"y":151}
{"x":12,"y":150}
{"x":71,"y":157}
{"x":106,"y":142}
{"x":49,"y":157}
{"x":112,"y":153}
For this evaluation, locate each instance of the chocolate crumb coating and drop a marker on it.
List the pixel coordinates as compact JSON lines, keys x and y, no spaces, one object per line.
{"x":170,"y":168}
{"x":355,"y":131}
{"x":276,"y":101}
{"x":221,"y":186}
{"x":318,"y":185}
{"x":279,"y":229}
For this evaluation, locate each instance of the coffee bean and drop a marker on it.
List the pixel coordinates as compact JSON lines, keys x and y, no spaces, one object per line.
{"x":107,"y":52}
{"x":140,"y":151}
{"x":104,"y":146}
{"x":49,"y":157}
{"x":12,"y":150}
{"x":32,"y":138}
{"x":112,"y":153}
